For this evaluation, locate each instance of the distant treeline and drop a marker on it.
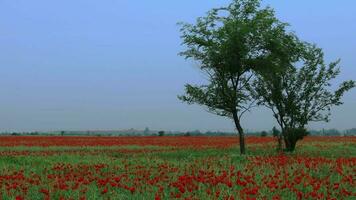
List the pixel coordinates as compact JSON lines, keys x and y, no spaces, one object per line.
{"x":147,"y":132}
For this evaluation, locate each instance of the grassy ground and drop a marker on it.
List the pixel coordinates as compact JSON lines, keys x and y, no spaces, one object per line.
{"x":324,"y":170}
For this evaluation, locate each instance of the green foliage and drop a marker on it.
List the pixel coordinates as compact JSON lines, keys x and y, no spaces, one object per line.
{"x":247,"y":56}
{"x":160,"y":133}
{"x":229,"y":44}
{"x":264,"y":134}
{"x":292,"y":136}
{"x":299,"y":92}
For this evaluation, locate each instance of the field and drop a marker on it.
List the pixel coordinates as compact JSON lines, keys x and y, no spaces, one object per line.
{"x":39,"y":167}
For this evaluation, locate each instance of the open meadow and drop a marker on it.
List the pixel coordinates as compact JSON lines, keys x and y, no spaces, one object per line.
{"x":177,"y":100}
{"x":39,"y":167}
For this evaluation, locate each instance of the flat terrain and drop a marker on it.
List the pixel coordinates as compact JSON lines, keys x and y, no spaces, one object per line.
{"x":39,"y":167}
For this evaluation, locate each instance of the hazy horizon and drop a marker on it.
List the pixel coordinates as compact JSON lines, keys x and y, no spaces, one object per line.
{"x":108,"y":65}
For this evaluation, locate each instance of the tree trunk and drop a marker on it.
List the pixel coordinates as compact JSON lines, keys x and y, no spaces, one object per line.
{"x":290,"y":142}
{"x":293,"y":143}
{"x":241,"y":133}
{"x":287,"y":142}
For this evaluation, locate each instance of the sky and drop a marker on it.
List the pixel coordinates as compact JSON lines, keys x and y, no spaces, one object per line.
{"x":113,"y":64}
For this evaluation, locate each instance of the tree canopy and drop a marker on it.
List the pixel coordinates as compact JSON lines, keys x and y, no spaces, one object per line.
{"x":229,"y":44}
{"x":300,"y":92}
{"x":249,"y":57}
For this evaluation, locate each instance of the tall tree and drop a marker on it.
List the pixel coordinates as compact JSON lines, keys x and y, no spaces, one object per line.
{"x":299,"y":93}
{"x":229,"y":44}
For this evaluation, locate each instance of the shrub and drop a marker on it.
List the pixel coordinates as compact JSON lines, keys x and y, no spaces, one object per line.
{"x":161,"y":133}
{"x":264,"y":134}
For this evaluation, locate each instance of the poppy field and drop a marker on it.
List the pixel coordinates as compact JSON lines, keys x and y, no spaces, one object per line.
{"x":54,"y":167}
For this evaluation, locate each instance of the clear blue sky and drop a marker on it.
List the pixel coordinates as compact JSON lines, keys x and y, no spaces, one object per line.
{"x":113,"y":64}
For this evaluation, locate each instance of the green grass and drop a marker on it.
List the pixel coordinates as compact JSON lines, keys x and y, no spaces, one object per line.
{"x":185,"y":159}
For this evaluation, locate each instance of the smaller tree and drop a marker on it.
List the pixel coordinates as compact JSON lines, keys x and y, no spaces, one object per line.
{"x":146,"y":131}
{"x":299,"y":95}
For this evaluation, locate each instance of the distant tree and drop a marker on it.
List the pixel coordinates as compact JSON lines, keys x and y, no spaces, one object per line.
{"x":160,"y":133}
{"x":146,"y":131}
{"x":197,"y":132}
{"x":228,"y":44}
{"x":34,"y":133}
{"x":332,"y":132}
{"x":264,"y":134}
{"x":187,"y":134}
{"x":350,"y":132}
{"x":276,"y":133}
{"x":300,"y":92}
{"x":62,"y":133}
